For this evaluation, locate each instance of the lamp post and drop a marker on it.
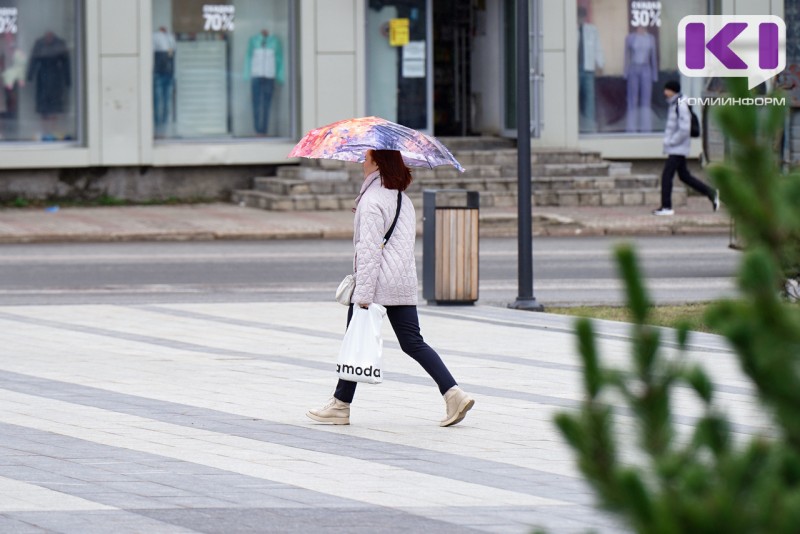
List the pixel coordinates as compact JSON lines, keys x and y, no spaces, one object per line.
{"x":525,"y":298}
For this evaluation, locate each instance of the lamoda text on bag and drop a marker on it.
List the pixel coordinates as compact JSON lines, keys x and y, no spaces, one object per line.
{"x":358,"y":371}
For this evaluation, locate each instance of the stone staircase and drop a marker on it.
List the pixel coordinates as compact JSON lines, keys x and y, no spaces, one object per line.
{"x":559,"y":178}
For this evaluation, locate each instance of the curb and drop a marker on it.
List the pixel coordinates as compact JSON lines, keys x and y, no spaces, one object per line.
{"x":492,"y":230}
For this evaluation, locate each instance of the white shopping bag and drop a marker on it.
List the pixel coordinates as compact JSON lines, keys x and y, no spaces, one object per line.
{"x":361,"y":355}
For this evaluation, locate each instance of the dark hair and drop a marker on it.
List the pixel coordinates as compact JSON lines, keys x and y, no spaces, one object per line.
{"x":581,"y":12}
{"x":394,"y":172}
{"x":673,"y":85}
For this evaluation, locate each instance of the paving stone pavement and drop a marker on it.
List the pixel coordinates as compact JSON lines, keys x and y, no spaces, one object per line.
{"x":203,"y":222}
{"x":182,"y":418}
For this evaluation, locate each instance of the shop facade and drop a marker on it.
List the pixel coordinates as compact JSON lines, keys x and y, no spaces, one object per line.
{"x":168,"y":84}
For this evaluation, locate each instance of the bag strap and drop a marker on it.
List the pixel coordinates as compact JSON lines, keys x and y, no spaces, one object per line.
{"x":394,"y":222}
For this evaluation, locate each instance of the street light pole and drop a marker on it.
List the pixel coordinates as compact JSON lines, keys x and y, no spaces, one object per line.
{"x":525,"y":299}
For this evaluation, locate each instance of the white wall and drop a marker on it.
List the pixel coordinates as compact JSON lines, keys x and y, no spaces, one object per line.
{"x":559,"y":106}
{"x":332,"y":56}
{"x":121,"y":113}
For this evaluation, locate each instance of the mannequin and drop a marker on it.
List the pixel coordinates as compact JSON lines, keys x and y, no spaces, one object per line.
{"x":264,"y":67}
{"x":641,"y":71}
{"x":13,"y":63}
{"x":590,"y":64}
{"x":49,"y":69}
{"x":163,"y":77}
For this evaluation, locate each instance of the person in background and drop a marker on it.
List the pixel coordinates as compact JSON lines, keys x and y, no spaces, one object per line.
{"x":387,"y":275}
{"x":677,"y":141}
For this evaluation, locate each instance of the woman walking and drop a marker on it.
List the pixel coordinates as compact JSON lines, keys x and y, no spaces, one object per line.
{"x":388,"y":276}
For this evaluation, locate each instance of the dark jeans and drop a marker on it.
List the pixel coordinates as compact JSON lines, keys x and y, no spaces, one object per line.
{"x":678,"y":163}
{"x":405,"y":324}
{"x":262,"y":99}
{"x":586,"y":101}
{"x":162,"y":98}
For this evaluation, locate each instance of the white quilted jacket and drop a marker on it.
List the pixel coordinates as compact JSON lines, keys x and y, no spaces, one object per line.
{"x":386,"y":276}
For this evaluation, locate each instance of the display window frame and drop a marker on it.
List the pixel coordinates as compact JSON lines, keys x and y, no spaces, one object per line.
{"x":289,"y":106}
{"x":612,"y":85}
{"x":76,"y":97}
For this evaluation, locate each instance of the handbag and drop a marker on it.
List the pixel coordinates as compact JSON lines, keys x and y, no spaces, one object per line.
{"x":344,"y":293}
{"x":345,"y":290}
{"x":361,"y":354}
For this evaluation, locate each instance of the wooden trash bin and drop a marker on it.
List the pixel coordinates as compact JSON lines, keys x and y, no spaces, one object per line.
{"x":450,"y":246}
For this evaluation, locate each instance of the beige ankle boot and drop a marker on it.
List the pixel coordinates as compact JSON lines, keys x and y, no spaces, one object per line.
{"x":458,"y":403}
{"x":335,"y":412}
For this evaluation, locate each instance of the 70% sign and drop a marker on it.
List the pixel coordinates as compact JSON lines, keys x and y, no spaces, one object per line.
{"x":218,"y":18}
{"x":8,"y":20}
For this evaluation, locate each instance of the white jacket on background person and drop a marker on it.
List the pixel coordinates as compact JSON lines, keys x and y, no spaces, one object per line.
{"x":384,"y":275}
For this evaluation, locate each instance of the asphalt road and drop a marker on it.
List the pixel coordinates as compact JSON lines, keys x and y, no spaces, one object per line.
{"x":566,"y":271}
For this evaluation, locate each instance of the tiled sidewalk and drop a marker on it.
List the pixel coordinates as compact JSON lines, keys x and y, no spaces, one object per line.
{"x":190,"y":418}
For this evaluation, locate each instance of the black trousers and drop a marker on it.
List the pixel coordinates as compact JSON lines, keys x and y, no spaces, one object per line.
{"x":678,"y":163}
{"x":405,"y":323}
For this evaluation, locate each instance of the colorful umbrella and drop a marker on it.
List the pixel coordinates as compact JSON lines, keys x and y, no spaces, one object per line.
{"x":349,"y":140}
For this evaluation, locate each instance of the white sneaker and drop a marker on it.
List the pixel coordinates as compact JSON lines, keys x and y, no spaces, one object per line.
{"x":664,"y":211}
{"x":715,"y":200}
{"x":335,"y":412}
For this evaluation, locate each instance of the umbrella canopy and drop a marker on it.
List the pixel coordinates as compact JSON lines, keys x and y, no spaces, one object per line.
{"x":349,"y":140}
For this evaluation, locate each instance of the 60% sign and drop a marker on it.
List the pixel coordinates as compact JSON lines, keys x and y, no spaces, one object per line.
{"x":218,"y":18}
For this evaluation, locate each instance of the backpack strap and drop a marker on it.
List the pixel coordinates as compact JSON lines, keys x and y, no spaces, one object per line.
{"x":394,"y":222}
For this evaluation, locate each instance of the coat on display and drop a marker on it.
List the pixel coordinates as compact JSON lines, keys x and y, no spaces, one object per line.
{"x":49,"y":68}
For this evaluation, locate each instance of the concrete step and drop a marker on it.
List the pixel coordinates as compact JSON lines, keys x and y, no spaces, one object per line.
{"x":550,"y":156}
{"x":569,"y":169}
{"x":643,"y":196}
{"x":540,"y":183}
{"x":458,"y":144}
{"x":589,"y":197}
{"x":483,"y":170}
{"x":303,"y":202}
{"x":304,"y":172}
{"x":290,"y":186}
{"x":470,"y":158}
{"x":312,"y":168}
{"x":564,"y":177}
{"x":299,"y":202}
{"x":549,"y":169}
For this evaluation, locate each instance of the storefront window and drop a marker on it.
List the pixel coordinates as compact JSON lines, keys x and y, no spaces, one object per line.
{"x":222,"y":68}
{"x":627,"y":50}
{"x":39,"y":67}
{"x":397,"y":61}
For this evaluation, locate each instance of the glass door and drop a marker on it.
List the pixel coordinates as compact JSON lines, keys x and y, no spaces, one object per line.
{"x":398,"y":62}
{"x":509,"y":66}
